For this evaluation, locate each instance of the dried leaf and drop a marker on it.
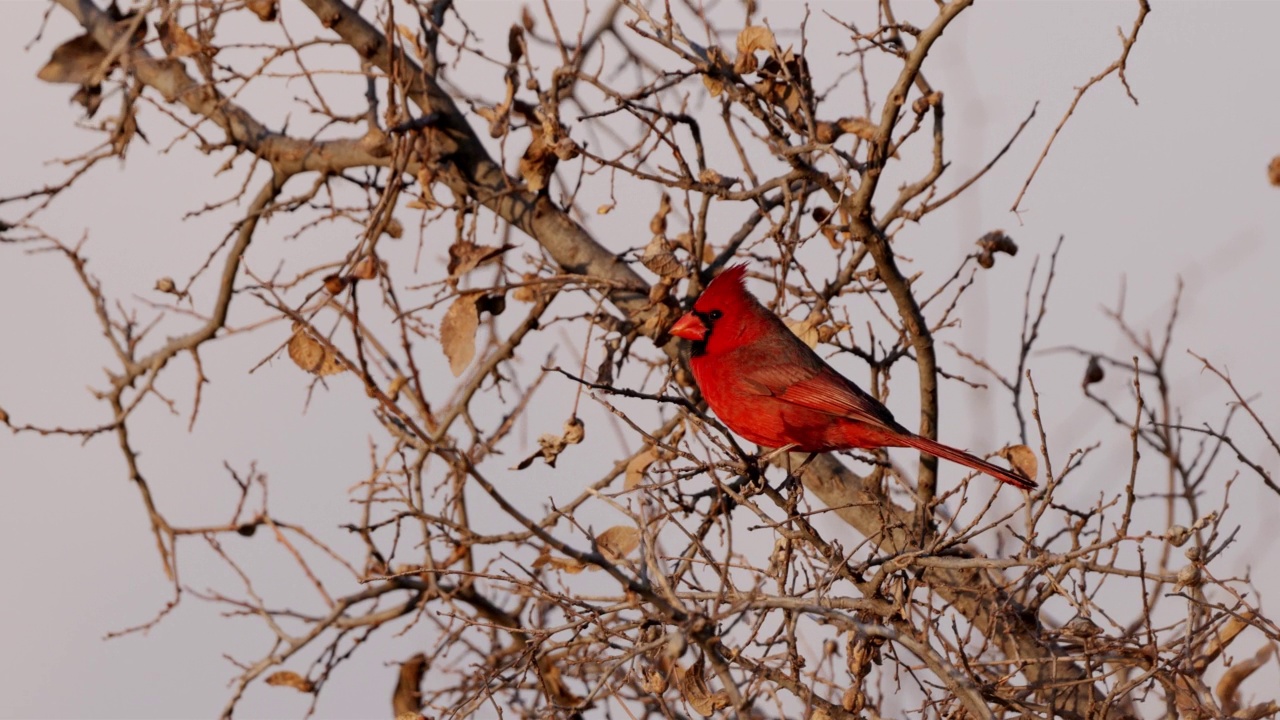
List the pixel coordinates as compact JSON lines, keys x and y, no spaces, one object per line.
{"x":311,"y":355}
{"x":618,"y":541}
{"x":74,"y":61}
{"x":716,"y":60}
{"x":997,"y":242}
{"x":807,"y":329}
{"x":1273,"y":171}
{"x":465,"y":256}
{"x":924,"y":103}
{"x":289,"y":678}
{"x":1093,"y":372}
{"x":366,"y":269}
{"x":654,"y":682}
{"x":606,"y":208}
{"x":528,"y":292}
{"x":1023,"y":460}
{"x":751,"y":39}
{"x":659,"y":259}
{"x":638,"y":466}
{"x":693,"y":688}
{"x":394,"y":228}
{"x":658,"y":224}
{"x":334,"y":283}
{"x":266,"y":10}
{"x":554,"y":685}
{"x":458,"y":332}
{"x":550,"y":446}
{"x":538,"y":163}
{"x":176,"y":40}
{"x":569,"y":565}
{"x":397,"y":384}
{"x":408,"y":694}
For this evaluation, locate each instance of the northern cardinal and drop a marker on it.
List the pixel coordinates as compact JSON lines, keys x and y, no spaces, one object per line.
{"x":772,"y":389}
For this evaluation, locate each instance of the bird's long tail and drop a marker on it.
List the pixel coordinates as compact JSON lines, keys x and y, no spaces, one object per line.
{"x":947,"y":452}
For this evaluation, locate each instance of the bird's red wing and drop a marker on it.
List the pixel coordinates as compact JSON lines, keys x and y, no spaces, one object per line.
{"x":821,"y":389}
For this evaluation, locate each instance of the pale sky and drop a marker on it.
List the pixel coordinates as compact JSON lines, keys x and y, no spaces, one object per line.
{"x":1173,"y":187}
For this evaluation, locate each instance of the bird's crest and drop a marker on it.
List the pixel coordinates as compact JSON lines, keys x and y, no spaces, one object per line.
{"x":727,"y":288}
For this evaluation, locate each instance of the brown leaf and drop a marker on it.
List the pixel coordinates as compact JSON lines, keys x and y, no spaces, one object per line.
{"x":618,"y":541}
{"x":289,"y":678}
{"x":751,"y":39}
{"x":658,"y":224}
{"x":465,"y":256}
{"x":408,"y":694}
{"x":458,"y":332}
{"x":74,"y":61}
{"x":538,"y":163}
{"x":808,"y":329}
{"x":550,"y":446}
{"x":654,"y":682}
{"x":924,"y":103}
{"x":311,"y":355}
{"x":366,"y":269}
{"x":1023,"y":459}
{"x":569,"y":565}
{"x":659,"y":259}
{"x":557,"y":692}
{"x":1093,"y":371}
{"x":528,"y":292}
{"x":1273,"y":171}
{"x":638,"y":466}
{"x":176,"y":40}
{"x":693,"y":688}
{"x":334,"y":283}
{"x":266,"y":10}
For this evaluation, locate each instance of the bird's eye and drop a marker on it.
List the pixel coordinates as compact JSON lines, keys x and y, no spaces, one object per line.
{"x":715,"y":314}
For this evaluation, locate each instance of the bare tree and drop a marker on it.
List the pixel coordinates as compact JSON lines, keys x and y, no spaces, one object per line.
{"x":877,"y":594}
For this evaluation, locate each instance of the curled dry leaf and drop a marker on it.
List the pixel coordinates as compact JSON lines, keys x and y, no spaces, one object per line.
{"x":1273,"y":171}
{"x":812,"y":329}
{"x":308,"y":353}
{"x":394,"y":228}
{"x":334,"y":283}
{"x":994,"y":242}
{"x":715,"y":59}
{"x":458,"y":332}
{"x":397,"y":384}
{"x":265,"y":9}
{"x":618,"y":541}
{"x":658,"y":224}
{"x":711,"y":177}
{"x":176,"y":40}
{"x":1093,"y":372}
{"x":750,"y":40}
{"x":639,"y":465}
{"x":528,"y":291}
{"x":74,"y":61}
{"x":606,"y":208}
{"x":569,"y":565}
{"x":924,"y":103}
{"x":538,"y":163}
{"x":693,"y":688}
{"x":1229,"y":686}
{"x":289,"y":678}
{"x":550,"y":446}
{"x":654,"y":682}
{"x":366,"y":269}
{"x":659,"y":259}
{"x":465,"y":256}
{"x":1023,"y":460}
{"x":407,"y":698}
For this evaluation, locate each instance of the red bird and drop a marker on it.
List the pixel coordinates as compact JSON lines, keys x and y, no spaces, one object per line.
{"x":772,"y":389}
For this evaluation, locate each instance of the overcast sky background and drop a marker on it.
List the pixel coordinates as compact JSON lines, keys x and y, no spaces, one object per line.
{"x":1173,"y":187}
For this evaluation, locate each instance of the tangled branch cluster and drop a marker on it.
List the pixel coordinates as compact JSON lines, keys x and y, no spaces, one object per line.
{"x":682,"y":575}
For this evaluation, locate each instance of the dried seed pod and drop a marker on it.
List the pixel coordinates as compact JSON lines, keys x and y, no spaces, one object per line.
{"x":334,"y":283}
{"x":1093,"y":372}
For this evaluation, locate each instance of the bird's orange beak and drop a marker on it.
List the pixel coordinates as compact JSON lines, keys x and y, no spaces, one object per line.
{"x":689,"y":327}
